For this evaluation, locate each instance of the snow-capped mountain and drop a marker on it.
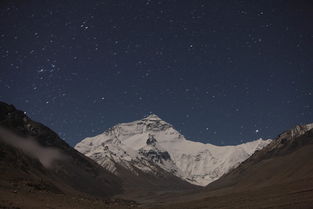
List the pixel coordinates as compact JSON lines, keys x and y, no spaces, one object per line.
{"x":152,"y":145}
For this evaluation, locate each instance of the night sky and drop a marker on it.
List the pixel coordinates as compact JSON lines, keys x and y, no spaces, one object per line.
{"x":221,"y":72}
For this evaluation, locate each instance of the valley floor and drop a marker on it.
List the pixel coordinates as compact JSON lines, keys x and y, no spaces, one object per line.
{"x":13,"y":199}
{"x":296,"y":195}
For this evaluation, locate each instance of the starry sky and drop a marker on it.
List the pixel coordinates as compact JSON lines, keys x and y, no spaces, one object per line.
{"x":222,"y":72}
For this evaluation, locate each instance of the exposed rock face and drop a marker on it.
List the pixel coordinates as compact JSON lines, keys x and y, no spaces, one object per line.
{"x":151,"y":140}
{"x":289,"y":138}
{"x":153,"y":151}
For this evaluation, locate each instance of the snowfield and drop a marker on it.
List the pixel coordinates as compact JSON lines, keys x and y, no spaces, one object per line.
{"x":152,"y":144}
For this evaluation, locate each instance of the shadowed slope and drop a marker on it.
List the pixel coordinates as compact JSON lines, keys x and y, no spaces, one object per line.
{"x":35,"y":162}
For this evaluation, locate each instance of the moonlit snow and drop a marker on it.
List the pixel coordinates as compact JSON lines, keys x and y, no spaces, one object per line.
{"x":198,"y":163}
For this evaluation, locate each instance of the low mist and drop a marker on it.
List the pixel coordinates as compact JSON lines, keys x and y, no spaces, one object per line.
{"x":32,"y":148}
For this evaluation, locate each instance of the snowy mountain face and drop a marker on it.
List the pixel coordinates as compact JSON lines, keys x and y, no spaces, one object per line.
{"x":152,"y":145}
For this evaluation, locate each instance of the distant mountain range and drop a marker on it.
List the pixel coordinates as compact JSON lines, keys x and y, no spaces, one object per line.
{"x":150,"y":162}
{"x":153,"y":146}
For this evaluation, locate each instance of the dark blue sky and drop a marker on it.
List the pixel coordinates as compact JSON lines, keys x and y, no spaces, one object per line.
{"x":222,"y":72}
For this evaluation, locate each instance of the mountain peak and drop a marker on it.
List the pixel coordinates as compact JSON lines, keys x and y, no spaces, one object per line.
{"x":152,"y":117}
{"x":296,"y":131}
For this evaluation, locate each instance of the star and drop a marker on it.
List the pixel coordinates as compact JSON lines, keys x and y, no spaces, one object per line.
{"x":235,"y":73}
